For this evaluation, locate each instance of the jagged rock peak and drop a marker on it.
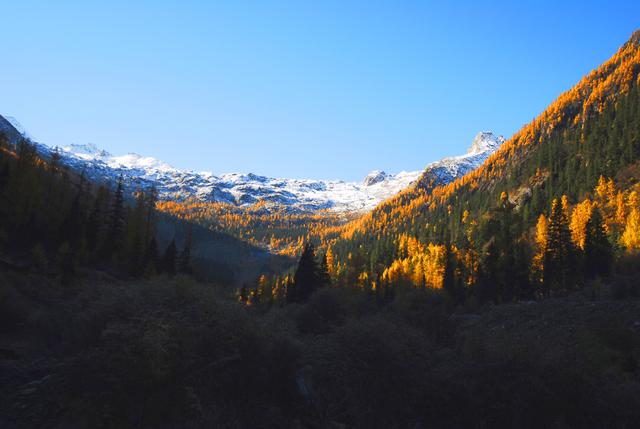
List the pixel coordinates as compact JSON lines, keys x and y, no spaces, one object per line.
{"x":485,"y":141}
{"x":376,"y":176}
{"x":635,"y":38}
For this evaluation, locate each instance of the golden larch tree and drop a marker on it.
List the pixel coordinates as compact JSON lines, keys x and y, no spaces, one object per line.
{"x":631,"y":236}
{"x":578,"y":225}
{"x":541,"y":238}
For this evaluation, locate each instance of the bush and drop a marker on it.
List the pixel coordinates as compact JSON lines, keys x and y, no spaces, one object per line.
{"x":427,"y":310}
{"x":324,"y":311}
{"x":39,"y":258}
{"x":175,"y":353}
{"x":14,"y":307}
{"x":369,"y":372}
{"x":625,"y":287}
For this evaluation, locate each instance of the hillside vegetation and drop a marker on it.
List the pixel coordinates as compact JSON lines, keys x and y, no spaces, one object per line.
{"x":173,"y":353}
{"x":516,"y":227}
{"x":56,"y":221}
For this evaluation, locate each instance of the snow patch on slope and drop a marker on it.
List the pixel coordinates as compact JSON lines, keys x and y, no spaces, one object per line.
{"x":242,"y":189}
{"x":246,"y":189}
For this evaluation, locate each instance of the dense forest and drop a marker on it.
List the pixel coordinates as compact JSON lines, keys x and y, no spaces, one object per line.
{"x":272,"y":228}
{"x":56,"y":221}
{"x":507,"y":298}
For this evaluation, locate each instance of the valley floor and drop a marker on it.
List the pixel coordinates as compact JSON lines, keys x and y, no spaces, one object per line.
{"x":173,"y":353}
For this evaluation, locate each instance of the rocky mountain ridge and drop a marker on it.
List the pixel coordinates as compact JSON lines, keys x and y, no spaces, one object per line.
{"x":247,"y":189}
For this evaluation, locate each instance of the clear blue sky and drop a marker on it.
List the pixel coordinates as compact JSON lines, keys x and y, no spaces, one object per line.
{"x":321,"y":89}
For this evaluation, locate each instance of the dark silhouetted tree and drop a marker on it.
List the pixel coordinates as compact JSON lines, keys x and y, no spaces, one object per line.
{"x":184,"y":261}
{"x":325,"y":278}
{"x":598,"y":254}
{"x":559,"y":260}
{"x":451,"y":284}
{"x":115,"y":236}
{"x":168,"y":263}
{"x":150,"y":260}
{"x":306,"y":278}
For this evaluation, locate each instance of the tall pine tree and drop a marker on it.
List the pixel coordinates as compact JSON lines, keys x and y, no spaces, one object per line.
{"x":598,"y":252}
{"x":306,"y":278}
{"x":168,"y":264}
{"x":559,"y":261}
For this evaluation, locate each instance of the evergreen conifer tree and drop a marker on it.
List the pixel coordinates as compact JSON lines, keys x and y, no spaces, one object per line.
{"x":169,"y":259}
{"x":598,"y":252}
{"x":559,"y":257}
{"x":150,"y":260}
{"x":113,"y":243}
{"x":487,"y":287}
{"x":306,"y":278}
{"x":184,"y":264}
{"x":449,"y":282}
{"x":325,"y":278}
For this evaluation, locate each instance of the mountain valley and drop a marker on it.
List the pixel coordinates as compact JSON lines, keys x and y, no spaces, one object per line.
{"x":494,"y":289}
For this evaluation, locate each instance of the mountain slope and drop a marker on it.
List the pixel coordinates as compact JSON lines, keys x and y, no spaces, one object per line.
{"x":503,"y":170}
{"x":590,"y":131}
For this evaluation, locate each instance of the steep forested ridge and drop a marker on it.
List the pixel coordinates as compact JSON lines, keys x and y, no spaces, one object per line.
{"x":605,"y":97}
{"x":584,"y":147}
{"x":55,"y":220}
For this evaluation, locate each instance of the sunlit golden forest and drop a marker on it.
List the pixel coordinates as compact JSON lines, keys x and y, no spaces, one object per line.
{"x":559,"y":195}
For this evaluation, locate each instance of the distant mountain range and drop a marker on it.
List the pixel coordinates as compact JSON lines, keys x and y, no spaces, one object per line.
{"x":296,"y":195}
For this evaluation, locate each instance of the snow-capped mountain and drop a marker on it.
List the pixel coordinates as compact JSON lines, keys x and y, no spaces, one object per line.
{"x":298,"y":195}
{"x":449,"y":169}
{"x":238,"y":188}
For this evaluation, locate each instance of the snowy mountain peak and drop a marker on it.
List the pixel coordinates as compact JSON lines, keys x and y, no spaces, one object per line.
{"x":90,"y":152}
{"x":88,"y":149}
{"x":449,"y":169}
{"x":485,"y":141}
{"x":376,"y":176}
{"x":135,"y":161}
